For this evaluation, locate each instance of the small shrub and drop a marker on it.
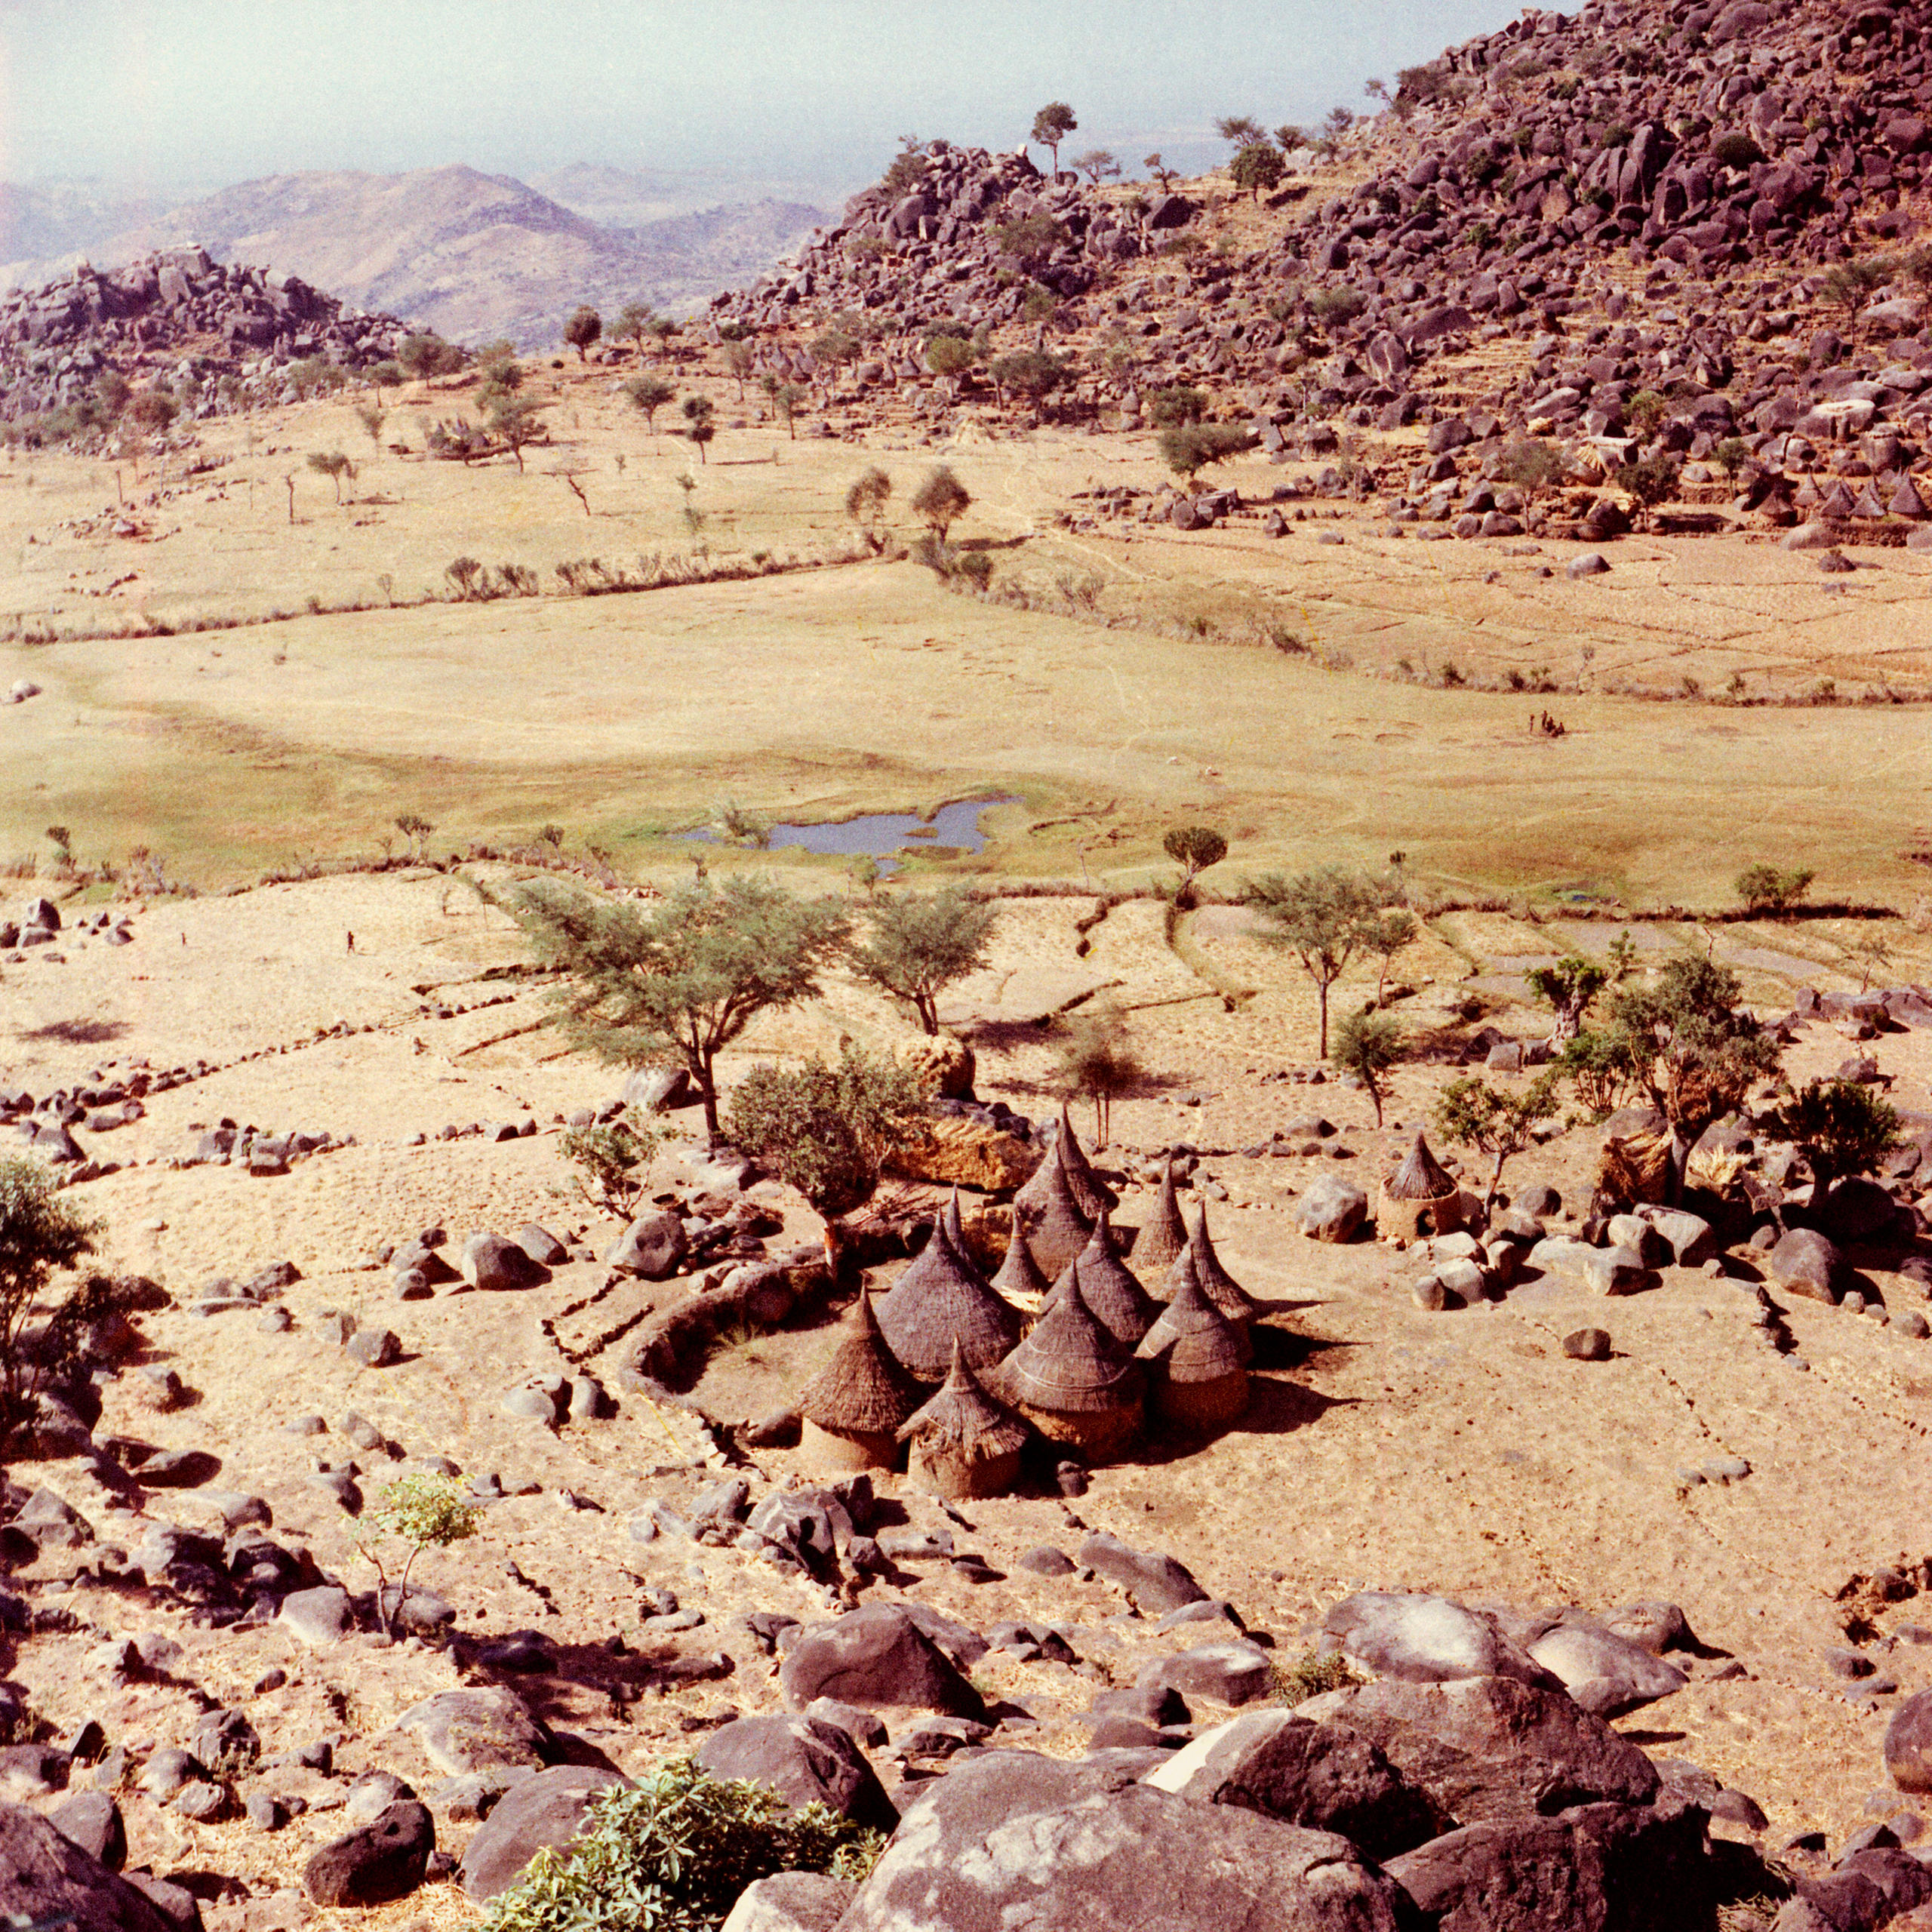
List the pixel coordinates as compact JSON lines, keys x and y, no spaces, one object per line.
{"x":607,"y":1160}
{"x":1311,"y":1675}
{"x":1765,"y":889}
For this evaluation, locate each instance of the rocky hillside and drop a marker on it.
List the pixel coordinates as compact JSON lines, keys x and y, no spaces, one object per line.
{"x":473,"y":255}
{"x":1642,"y":230}
{"x":57,"y":340}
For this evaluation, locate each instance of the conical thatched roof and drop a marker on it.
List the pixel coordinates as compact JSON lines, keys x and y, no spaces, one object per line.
{"x":1020,"y":1274}
{"x":933,"y":1262}
{"x":1114,"y":1297}
{"x":1420,"y":1177}
{"x":963,"y":1416}
{"x":1217,"y":1284}
{"x":863,"y":1390}
{"x":955,"y":1228}
{"x":1070,"y":1364}
{"x":1193,"y":1340}
{"x":1165,"y":1234}
{"x":928,"y":1309}
{"x":1060,"y":1231}
{"x":1094,"y":1194}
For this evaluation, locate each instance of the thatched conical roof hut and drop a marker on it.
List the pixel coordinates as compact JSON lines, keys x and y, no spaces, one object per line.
{"x":1090,"y":1192}
{"x":1020,"y":1274}
{"x":852,"y":1409}
{"x":1217,"y":1284}
{"x":1199,"y":1360}
{"x":1113,"y":1293}
{"x":965,"y":1442}
{"x":1060,"y":1230}
{"x":1420,"y":1197}
{"x":929,"y":1308}
{"x":1073,"y":1381}
{"x":954,"y":1225}
{"x":1165,"y":1234}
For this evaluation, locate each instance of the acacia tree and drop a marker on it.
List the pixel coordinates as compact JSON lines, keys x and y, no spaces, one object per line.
{"x":518,"y":420}
{"x":680,"y":980}
{"x":1692,"y":1049}
{"x":1159,"y":169}
{"x":1384,"y":935}
{"x":333,"y":465}
{"x":1098,"y":1061}
{"x":1194,"y":848}
{"x":649,"y":394}
{"x":1493,"y":1120}
{"x":866,"y":501}
{"x":583,"y":328}
{"x":1323,"y":917}
{"x":942,"y":500}
{"x":1098,"y":164}
{"x":633,"y":318}
{"x":699,"y":411}
{"x":1258,"y":167}
{"x":1367,"y":1044}
{"x":1765,"y":889}
{"x":921,"y":944}
{"x":1051,"y":126}
{"x":1839,"y":1126}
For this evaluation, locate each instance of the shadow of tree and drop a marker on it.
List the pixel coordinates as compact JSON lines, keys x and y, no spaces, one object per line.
{"x":88,"y":1032}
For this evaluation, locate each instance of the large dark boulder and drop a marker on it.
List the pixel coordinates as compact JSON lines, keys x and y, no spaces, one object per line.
{"x":875,"y":1657}
{"x":385,"y":1860}
{"x":1428,"y":1639}
{"x":1319,"y":1776}
{"x":1155,"y":1582}
{"x":1490,"y":1747}
{"x":540,"y":1812}
{"x":1598,"y":1868}
{"x":1908,"y":1743}
{"x":47,"y":1879}
{"x":1010,"y":1839}
{"x":805,"y":1761}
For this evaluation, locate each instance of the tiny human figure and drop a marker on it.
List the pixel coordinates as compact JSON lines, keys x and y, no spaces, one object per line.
{"x":351,"y":942}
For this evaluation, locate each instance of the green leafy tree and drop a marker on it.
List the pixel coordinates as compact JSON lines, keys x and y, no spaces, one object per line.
{"x":866,"y":500}
{"x":1367,"y":1044}
{"x":1258,"y":167}
{"x":1695,"y":1049}
{"x":425,"y":1512}
{"x":1288,"y":137}
{"x":680,"y":980}
{"x":1031,"y":237}
{"x":333,"y":465}
{"x":699,"y":426}
{"x":110,"y":392}
{"x":1098,"y":164}
{"x":1187,"y":447}
{"x":1532,"y":463}
{"x":517,"y":422}
{"x":1765,"y":889}
{"x":609,"y":1161}
{"x":941,"y":501}
{"x":917,"y":946}
{"x":1181,"y":403}
{"x":828,"y":1131}
{"x":501,"y":372}
{"x":152,"y":410}
{"x":1051,"y":126}
{"x":372,"y":421}
{"x":672,"y":1853}
{"x":1238,"y":130}
{"x":1850,"y":285}
{"x":40,"y":1236}
{"x":786,"y":397}
{"x":1569,"y":989}
{"x":1323,"y":917}
{"x":425,"y":355}
{"x":648,"y":394}
{"x":1650,"y":481}
{"x":1494,"y":1121}
{"x":583,"y":328}
{"x":1098,"y":1061}
{"x":950,"y":356}
{"x":1601,"y":1064}
{"x":832,"y":349}
{"x":738,"y":364}
{"x":633,"y":321}
{"x":1840,"y":1128}
{"x":1033,"y":373}
{"x":1383,"y":935}
{"x":1194,"y":848}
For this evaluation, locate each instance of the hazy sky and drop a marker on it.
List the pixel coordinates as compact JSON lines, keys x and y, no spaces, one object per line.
{"x":173,"y":94}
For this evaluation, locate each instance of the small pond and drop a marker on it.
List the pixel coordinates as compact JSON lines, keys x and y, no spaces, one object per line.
{"x":953,"y":828}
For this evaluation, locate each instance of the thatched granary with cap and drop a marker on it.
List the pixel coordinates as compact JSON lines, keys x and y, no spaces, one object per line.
{"x":1090,"y":1193}
{"x":964,"y":1442}
{"x":1059,"y":1230}
{"x":1197,"y":1361}
{"x":939,"y":1299}
{"x":1073,"y":1381}
{"x":1165,"y":1234}
{"x":1198,"y":1259}
{"x":1021,"y":1280}
{"x":1114,"y":1297}
{"x":1420,"y":1197}
{"x":853,"y":1409}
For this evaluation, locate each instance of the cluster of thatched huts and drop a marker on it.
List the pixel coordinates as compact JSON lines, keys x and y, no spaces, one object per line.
{"x":1065,"y":1342}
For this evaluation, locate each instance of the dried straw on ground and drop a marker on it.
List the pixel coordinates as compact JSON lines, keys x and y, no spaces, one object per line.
{"x":1072,"y":1381}
{"x":964,"y":1442}
{"x":1419,"y":1197}
{"x":939,"y":1299}
{"x":854,"y":1406}
{"x":1198,"y":1360}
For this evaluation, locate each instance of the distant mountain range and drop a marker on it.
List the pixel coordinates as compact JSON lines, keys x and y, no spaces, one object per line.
{"x":472,"y":256}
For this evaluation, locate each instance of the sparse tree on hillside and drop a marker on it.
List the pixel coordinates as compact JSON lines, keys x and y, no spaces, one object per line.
{"x":1850,"y":285}
{"x":832,"y":349}
{"x":950,"y":356}
{"x":678,"y":980}
{"x":1336,"y":123}
{"x":1258,"y":167}
{"x":1532,"y":464}
{"x":519,"y":421}
{"x":1194,"y":848}
{"x":1098,"y":164}
{"x":426,"y":355}
{"x":1288,"y":137}
{"x":110,"y":392}
{"x":152,"y":410}
{"x":1569,"y":989}
{"x":1098,"y":1061}
{"x":1033,"y":373}
{"x":648,"y":395}
{"x":1367,"y":1044}
{"x":1238,"y":130}
{"x":662,"y":329}
{"x":415,"y":827}
{"x":1377,"y":90}
{"x":633,"y":319}
{"x":570,"y":475}
{"x":698,"y":412}
{"x":1160,"y":171}
{"x":1324,"y":917}
{"x":1840,"y":1127}
{"x":583,"y":328}
{"x":786,"y":397}
{"x":1493,"y":1120}
{"x":919,"y":945}
{"x":866,"y":501}
{"x":372,"y":421}
{"x":333,"y":465}
{"x":738,"y":364}
{"x":1051,"y":126}
{"x":941,"y":501}
{"x":1186,"y":448}
{"x":1766,"y":889}
{"x":1384,"y":935}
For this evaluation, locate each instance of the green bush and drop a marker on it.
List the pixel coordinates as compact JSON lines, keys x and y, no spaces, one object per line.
{"x":673,"y":1853}
{"x":1182,"y":403}
{"x":1765,"y":889}
{"x":1310,"y":1675}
